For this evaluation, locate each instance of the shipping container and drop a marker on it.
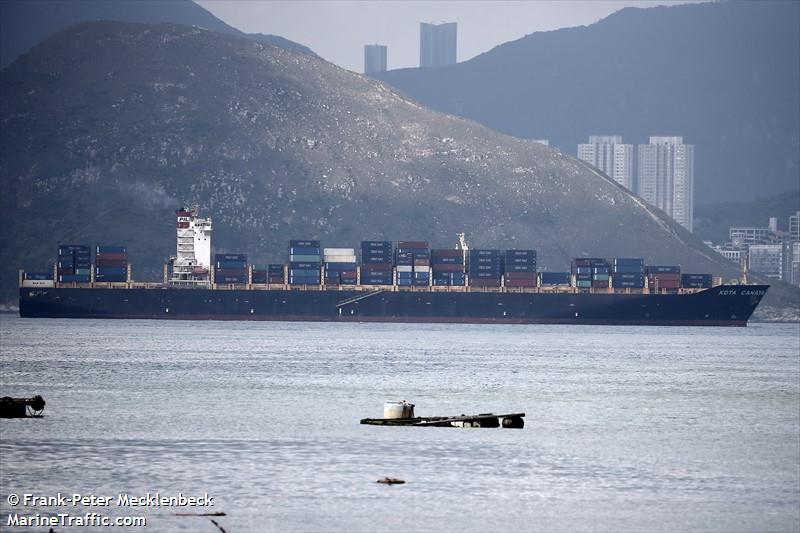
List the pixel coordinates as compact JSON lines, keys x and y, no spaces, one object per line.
{"x":473,"y":282}
{"x":412,"y":244}
{"x":230,"y":257}
{"x":303,"y":243}
{"x":660,"y":269}
{"x":521,"y":283}
{"x":38,"y":275}
{"x":304,"y":250}
{"x":301,"y":258}
{"x":65,"y":278}
{"x":555,"y":278}
{"x":447,"y":268}
{"x":104,"y":249}
{"x":696,"y":281}
{"x":521,"y":275}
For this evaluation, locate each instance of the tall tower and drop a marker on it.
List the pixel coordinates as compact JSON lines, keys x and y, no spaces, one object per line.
{"x":374,"y":58}
{"x":438,"y":44}
{"x":666,"y":177}
{"x":192,"y":262}
{"x":607,"y":153}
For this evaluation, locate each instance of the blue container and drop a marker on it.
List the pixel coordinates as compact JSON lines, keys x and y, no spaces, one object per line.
{"x":107,"y":278}
{"x":661,"y":269}
{"x":275,"y":269}
{"x":629,"y":284}
{"x":111,"y":271}
{"x":340,"y":266}
{"x":230,"y":257}
{"x":304,"y":272}
{"x":304,"y":244}
{"x":39,"y":275}
{"x":260,"y":278}
{"x":555,"y":278}
{"x":73,"y":277}
{"x":111,"y":249}
{"x":301,"y":265}
{"x":304,"y":250}
{"x":229,"y":263}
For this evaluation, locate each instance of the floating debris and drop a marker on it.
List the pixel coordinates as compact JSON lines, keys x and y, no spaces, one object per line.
{"x":21,"y":407}
{"x":402,"y":414}
{"x":391,"y":481}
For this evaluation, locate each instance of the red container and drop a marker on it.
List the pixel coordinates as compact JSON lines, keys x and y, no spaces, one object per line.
{"x":230,"y":272}
{"x":448,"y":268}
{"x":447,"y":253}
{"x":521,"y":283}
{"x":110,"y":264}
{"x":66,"y":271}
{"x":422,"y":262}
{"x":665,"y":277}
{"x":412,"y":244}
{"x":665,"y":285}
{"x":600,"y":284}
{"x":111,"y":257}
{"x":347,"y":274}
{"x":521,"y":276}
{"x":376,"y":267}
{"x":484,"y":282}
{"x":275,"y":279}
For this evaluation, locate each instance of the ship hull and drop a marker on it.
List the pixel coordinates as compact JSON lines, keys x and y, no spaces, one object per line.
{"x":730,"y":305}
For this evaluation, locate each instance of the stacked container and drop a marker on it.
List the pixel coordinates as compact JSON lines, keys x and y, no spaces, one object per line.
{"x":663,"y":277}
{"x":230,"y":268}
{"x":260,"y":273}
{"x":74,"y":263}
{"x":413,"y":261}
{"x":696,"y":281}
{"x":304,"y":263}
{"x":485,"y":268}
{"x":275,"y":274}
{"x":555,"y":278}
{"x":628,"y":273}
{"x":520,"y":268}
{"x":111,"y":264}
{"x":376,"y":263}
{"x":590,"y":272}
{"x":340,"y":266}
{"x":447,"y":267}
{"x":39,"y":276}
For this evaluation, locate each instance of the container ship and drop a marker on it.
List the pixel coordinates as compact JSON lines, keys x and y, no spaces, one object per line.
{"x":403,"y":281}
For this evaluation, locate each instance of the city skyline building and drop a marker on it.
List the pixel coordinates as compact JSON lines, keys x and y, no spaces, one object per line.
{"x":374,"y":58}
{"x":611,"y":156}
{"x":438,"y":44}
{"x":794,"y":226}
{"x":666,"y":177}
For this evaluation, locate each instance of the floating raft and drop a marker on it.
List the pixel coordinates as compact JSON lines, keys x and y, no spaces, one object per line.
{"x":484,"y":420}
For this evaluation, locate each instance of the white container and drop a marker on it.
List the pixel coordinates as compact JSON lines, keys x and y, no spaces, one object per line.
{"x":42,"y":283}
{"x":338,"y":251}
{"x":405,"y":268}
{"x":340,"y":259}
{"x":398,"y":410}
{"x":422,"y":269}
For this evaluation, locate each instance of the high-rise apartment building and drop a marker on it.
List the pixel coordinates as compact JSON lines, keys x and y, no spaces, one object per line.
{"x":374,"y":58}
{"x":437,"y":44}
{"x":607,"y":153}
{"x":766,"y":259}
{"x":794,"y":226}
{"x":666,"y":177}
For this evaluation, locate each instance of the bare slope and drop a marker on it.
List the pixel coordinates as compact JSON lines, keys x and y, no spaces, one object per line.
{"x":725,"y":75}
{"x":109,"y":126}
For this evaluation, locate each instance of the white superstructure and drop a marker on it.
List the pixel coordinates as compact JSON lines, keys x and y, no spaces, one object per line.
{"x":192,"y":263}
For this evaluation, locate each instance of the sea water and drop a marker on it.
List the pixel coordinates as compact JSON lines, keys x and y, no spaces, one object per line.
{"x":626,"y":428}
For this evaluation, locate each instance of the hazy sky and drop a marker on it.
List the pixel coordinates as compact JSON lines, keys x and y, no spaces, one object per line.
{"x":338,"y":30}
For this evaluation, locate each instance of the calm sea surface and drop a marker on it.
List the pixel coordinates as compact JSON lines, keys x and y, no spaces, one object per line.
{"x":627,"y":428}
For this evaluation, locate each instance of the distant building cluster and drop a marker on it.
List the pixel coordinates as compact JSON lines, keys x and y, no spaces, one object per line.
{"x":665,"y":171}
{"x":438,"y":47}
{"x":767,"y":251}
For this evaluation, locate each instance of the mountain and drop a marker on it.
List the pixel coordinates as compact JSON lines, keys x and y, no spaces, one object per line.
{"x":712,"y":221}
{"x":115,"y":125}
{"x":724,"y":75}
{"x":26,"y":23}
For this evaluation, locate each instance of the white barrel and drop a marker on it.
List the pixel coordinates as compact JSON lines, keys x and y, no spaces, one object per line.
{"x":398,"y":410}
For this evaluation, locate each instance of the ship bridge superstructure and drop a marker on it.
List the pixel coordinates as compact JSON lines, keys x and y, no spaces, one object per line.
{"x":191,"y":265}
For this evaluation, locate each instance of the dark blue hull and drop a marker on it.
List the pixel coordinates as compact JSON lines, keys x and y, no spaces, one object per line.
{"x":726,"y":305}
